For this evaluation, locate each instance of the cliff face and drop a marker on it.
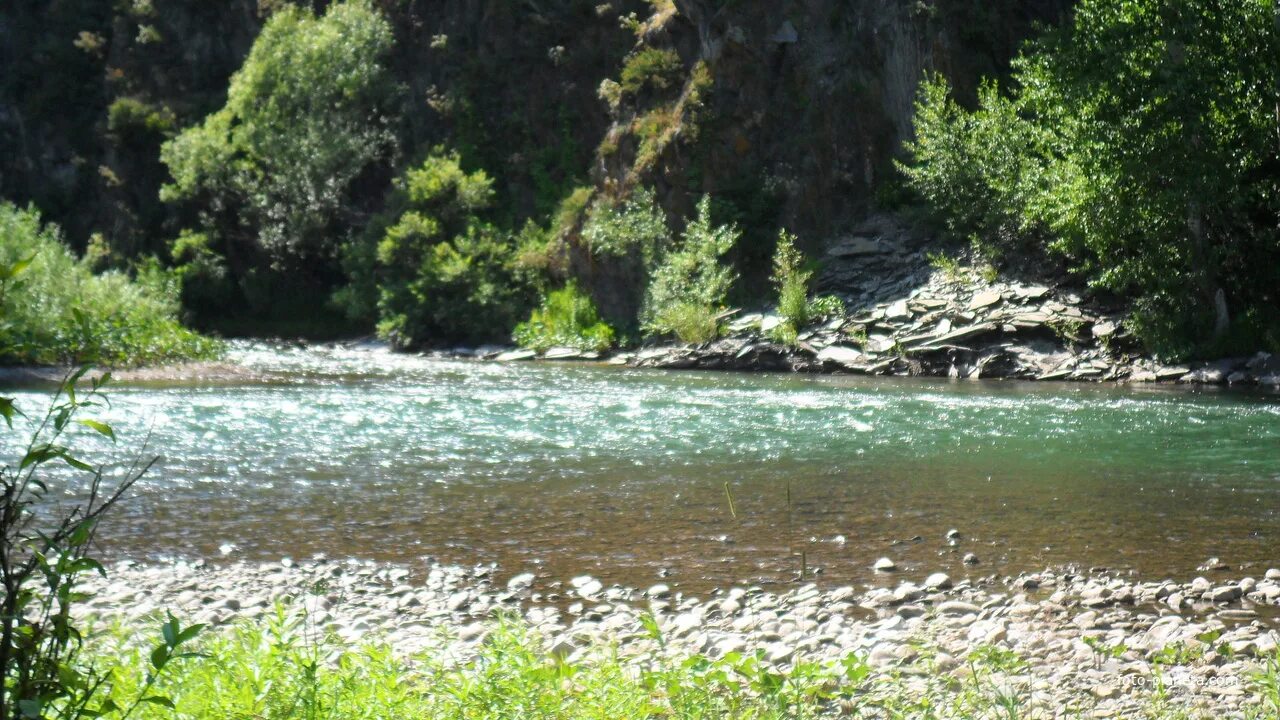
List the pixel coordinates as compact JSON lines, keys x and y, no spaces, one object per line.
{"x":814,"y":99}
{"x":789,"y":113}
{"x":90,"y":90}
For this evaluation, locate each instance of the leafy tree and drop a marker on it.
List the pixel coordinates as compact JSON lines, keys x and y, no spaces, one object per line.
{"x":310,"y":110}
{"x":437,"y":271}
{"x":1144,"y":141}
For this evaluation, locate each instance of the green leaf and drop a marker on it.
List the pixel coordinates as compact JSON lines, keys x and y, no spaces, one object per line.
{"x":80,"y":535}
{"x":169,"y":631}
{"x":41,"y":454}
{"x":78,"y":464}
{"x":189,"y":633}
{"x":100,"y":427}
{"x":30,"y":708}
{"x":7,"y":410}
{"x":159,"y":656}
{"x":82,"y":564}
{"x":159,"y":700}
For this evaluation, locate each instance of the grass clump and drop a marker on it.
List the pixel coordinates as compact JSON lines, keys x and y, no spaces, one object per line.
{"x":689,"y":286}
{"x":54,"y":309}
{"x":566,"y":318}
{"x":791,"y":278}
{"x":656,"y":68}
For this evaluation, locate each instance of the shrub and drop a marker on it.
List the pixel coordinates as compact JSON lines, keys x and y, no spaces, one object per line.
{"x":566,"y":318}
{"x":132,"y":121}
{"x":826,"y":306}
{"x":573,"y":207}
{"x":792,"y":282}
{"x":431,"y":268}
{"x":655,"y":68}
{"x":633,"y":228}
{"x":689,"y":285}
{"x":791,"y":278}
{"x":45,"y":550}
{"x":55,"y":310}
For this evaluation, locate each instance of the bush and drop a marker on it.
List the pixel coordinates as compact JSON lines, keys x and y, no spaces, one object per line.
{"x":1140,"y":140}
{"x":791,"y":279}
{"x":634,"y":228}
{"x":690,"y":284}
{"x":655,"y":68}
{"x":566,"y":318}
{"x":55,"y":310}
{"x":45,"y":550}
{"x":431,"y":269}
{"x":792,"y":282}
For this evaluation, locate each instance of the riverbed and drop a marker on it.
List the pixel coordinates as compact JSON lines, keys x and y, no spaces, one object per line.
{"x":639,"y":476}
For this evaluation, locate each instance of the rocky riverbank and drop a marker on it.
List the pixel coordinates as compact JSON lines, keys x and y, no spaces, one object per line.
{"x":1094,"y":644}
{"x":910,"y":313}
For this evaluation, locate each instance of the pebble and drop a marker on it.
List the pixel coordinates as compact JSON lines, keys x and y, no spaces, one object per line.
{"x":884,"y":564}
{"x":522,"y":581}
{"x":938,"y":581}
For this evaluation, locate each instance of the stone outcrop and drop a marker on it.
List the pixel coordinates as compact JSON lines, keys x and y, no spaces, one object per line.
{"x":907,"y":317}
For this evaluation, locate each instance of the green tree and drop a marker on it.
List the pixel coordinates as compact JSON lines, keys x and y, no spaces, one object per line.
{"x":1143,"y":140}
{"x":311,"y":109}
{"x":690,"y":284}
{"x":431,"y":268}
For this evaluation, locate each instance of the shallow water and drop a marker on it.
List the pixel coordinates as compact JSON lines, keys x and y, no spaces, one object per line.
{"x":566,"y":469}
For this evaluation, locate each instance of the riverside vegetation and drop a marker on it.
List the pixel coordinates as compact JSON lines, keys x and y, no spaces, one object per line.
{"x":358,"y":175}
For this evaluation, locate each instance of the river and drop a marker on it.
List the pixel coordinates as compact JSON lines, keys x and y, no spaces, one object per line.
{"x":634,"y":476}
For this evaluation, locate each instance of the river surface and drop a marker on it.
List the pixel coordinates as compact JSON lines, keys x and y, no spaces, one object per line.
{"x":636,"y":476}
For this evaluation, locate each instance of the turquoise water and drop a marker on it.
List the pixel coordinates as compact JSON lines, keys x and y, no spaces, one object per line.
{"x":567,"y":468}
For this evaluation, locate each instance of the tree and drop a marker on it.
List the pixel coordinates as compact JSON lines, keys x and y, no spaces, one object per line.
{"x":432,"y":267}
{"x":311,"y":109}
{"x":1142,"y":140}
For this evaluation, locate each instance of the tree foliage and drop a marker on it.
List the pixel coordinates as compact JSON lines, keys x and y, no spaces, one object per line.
{"x":432,"y":269}
{"x":309,"y":111}
{"x":1143,"y":143}
{"x":690,"y":283}
{"x":54,"y":309}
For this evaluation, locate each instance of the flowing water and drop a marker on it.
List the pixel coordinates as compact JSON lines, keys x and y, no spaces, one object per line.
{"x":636,"y":475}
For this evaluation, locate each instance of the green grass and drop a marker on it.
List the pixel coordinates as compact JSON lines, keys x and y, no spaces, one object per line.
{"x":283,"y":668}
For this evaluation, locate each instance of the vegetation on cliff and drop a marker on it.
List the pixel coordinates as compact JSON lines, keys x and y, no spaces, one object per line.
{"x":372,"y":166}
